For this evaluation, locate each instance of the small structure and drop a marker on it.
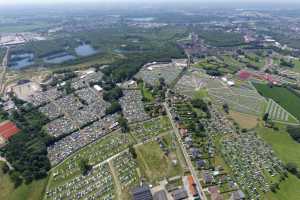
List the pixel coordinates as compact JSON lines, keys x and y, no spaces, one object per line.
{"x":179,"y":194}
{"x":142,"y":193}
{"x":192,"y":186}
{"x":98,"y":88}
{"x":160,"y":195}
{"x":237,"y":195}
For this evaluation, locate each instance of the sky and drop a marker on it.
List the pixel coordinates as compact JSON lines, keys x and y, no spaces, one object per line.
{"x":21,"y":2}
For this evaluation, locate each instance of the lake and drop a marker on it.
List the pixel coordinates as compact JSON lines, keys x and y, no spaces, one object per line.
{"x":19,"y":61}
{"x":59,"y":58}
{"x":85,"y":50}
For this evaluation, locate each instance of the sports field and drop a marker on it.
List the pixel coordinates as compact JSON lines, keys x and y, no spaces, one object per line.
{"x":285,"y":98}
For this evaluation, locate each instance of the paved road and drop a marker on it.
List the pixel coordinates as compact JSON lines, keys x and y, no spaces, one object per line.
{"x":186,"y":156}
{"x":4,"y":66}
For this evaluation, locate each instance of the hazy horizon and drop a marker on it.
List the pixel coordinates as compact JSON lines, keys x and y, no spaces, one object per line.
{"x":44,"y":2}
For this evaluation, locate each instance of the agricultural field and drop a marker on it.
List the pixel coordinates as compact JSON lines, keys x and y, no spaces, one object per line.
{"x":241,"y":99}
{"x":284,"y":97}
{"x":277,"y":113}
{"x":244,"y":120}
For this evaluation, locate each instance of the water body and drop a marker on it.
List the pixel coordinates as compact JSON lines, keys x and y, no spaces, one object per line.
{"x":59,"y":58}
{"x":85,"y":50}
{"x":19,"y":61}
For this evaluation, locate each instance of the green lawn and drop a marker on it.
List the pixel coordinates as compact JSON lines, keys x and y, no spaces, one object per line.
{"x":154,"y":164}
{"x":33,"y":191}
{"x":282,"y":96}
{"x":297,"y":65}
{"x":288,"y":151}
{"x":284,"y":146}
{"x":146,"y":92}
{"x":289,"y":190}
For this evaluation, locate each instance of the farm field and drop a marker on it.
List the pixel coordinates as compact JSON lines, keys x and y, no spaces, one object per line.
{"x":244,"y":120}
{"x":277,"y":113}
{"x":282,"y":96}
{"x":32,"y":191}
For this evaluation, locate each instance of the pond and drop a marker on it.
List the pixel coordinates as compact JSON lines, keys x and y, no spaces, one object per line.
{"x":85,"y":50}
{"x":19,"y":61}
{"x":58,"y":58}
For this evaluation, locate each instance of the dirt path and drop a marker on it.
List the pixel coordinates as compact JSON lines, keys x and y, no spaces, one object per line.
{"x":116,"y":180}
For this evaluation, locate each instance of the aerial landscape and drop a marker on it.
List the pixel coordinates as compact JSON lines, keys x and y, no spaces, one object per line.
{"x":149,"y":100}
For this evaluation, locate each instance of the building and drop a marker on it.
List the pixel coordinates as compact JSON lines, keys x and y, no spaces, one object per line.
{"x":192,"y":186}
{"x":160,"y":195}
{"x":237,"y":195}
{"x":142,"y":193}
{"x":179,"y":194}
{"x":8,"y":129}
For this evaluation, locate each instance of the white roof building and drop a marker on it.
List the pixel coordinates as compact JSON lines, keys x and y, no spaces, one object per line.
{"x":98,"y":88}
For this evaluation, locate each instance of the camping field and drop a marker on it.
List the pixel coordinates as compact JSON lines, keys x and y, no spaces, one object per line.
{"x":282,"y":96}
{"x":155,"y":164}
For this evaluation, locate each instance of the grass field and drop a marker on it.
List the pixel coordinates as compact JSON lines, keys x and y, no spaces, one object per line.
{"x":155,"y":164}
{"x":289,"y":190}
{"x":297,"y":66}
{"x":33,"y":191}
{"x":282,"y":96}
{"x":284,"y":146}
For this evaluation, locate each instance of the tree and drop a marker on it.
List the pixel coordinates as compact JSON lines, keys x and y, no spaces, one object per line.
{"x":16,"y":179}
{"x":266,"y":117}
{"x":226,"y":108}
{"x":5,"y":168}
{"x":113,"y":108}
{"x":132,"y":152}
{"x":84,"y":166}
{"x":292,"y":168}
{"x":123,"y":124}
{"x":113,"y":94}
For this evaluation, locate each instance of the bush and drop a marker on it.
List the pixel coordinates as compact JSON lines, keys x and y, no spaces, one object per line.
{"x":294,"y":132}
